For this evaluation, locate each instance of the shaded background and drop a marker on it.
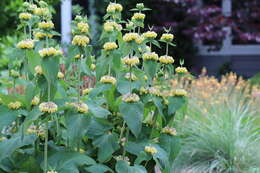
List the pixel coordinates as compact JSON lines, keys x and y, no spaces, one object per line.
{"x":191,"y":22}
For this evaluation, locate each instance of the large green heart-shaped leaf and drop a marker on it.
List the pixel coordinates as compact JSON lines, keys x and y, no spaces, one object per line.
{"x":133,"y":116}
{"x":6,"y":117}
{"x":175,"y":103}
{"x":107,"y":144}
{"x":97,"y":110}
{"x":8,"y":146}
{"x":98,"y":127}
{"x":77,"y":125}
{"x":68,"y":162}
{"x":171,"y":144}
{"x":150,"y":68}
{"x":123,"y":167}
{"x":50,"y":67}
{"x":99,"y":168}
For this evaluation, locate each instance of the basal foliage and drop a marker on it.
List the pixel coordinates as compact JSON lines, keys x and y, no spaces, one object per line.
{"x":69,"y":111}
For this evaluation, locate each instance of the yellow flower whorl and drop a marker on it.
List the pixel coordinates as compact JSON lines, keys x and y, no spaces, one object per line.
{"x":170,"y":131}
{"x":38,"y":70}
{"x":35,"y":101}
{"x":41,"y":11}
{"x":151,"y":150}
{"x":110,"y":46}
{"x":26,"y":44}
{"x":48,"y":107}
{"x":150,"y":35}
{"x":138,"y":16}
{"x":130,"y":61}
{"x":131,"y":76}
{"x":166,"y":59}
{"x":114,"y":7}
{"x":181,"y":70}
{"x":167,"y":37}
{"x":80,"y":40}
{"x":60,"y":75}
{"x":25,"y":16}
{"x":80,"y":107}
{"x":129,"y":98}
{"x":46,"y":52}
{"x":14,"y":105}
{"x":150,"y":56}
{"x":179,"y":92}
{"x":83,"y":27}
{"x":46,"y":25}
{"x":108,"y":79}
{"x":87,"y":91}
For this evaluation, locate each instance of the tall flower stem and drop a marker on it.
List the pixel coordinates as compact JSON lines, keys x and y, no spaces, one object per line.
{"x":46,"y":148}
{"x":79,"y":73}
{"x":167,"y":49}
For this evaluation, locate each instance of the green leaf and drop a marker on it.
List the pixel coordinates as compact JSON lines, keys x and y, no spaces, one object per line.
{"x":97,"y":110}
{"x":6,"y":117}
{"x":158,"y":103}
{"x":99,"y":168}
{"x":68,"y":162}
{"x":133,"y":116}
{"x":171,"y":144}
{"x":98,"y":127}
{"x":107,"y":144}
{"x":8,"y":146}
{"x":123,"y":167}
{"x":99,"y":89}
{"x":175,"y":103}
{"x":77,"y":125}
{"x":150,"y":68}
{"x":50,"y":67}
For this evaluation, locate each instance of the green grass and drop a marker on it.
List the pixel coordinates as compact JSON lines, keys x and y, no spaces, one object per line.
{"x":225,"y":139}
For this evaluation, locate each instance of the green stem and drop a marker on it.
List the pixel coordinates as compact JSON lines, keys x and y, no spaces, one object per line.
{"x":46,"y":148}
{"x":14,"y":90}
{"x":49,"y":91}
{"x":167,"y":49}
{"x":122,"y":131}
{"x":79,"y":72}
{"x":130,"y":79}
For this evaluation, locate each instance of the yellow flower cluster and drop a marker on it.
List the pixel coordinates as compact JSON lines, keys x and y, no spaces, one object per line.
{"x":92,"y":66}
{"x":83,"y":27}
{"x":151,"y":150}
{"x":87,"y":91}
{"x":39,"y":131}
{"x":138,"y":16}
{"x":80,"y":40}
{"x":143,"y":90}
{"x":181,"y":70}
{"x":150,"y":35}
{"x":80,"y":107}
{"x":150,"y":56}
{"x":111,"y":26}
{"x":131,"y":76}
{"x":14,"y":73}
{"x":14,"y":105}
{"x":35,"y":101}
{"x":129,"y":98}
{"x":125,"y":158}
{"x":108,"y":79}
{"x":179,"y":92}
{"x":46,"y":25}
{"x":60,"y":75}
{"x":167,"y":37}
{"x":110,"y":46}
{"x":78,"y":56}
{"x":154,"y":91}
{"x":26,"y":44}
{"x":46,"y":52}
{"x":38,"y":70}
{"x":166,"y":59}
{"x":114,"y":7}
{"x":40,"y":35}
{"x":25,"y":16}
{"x":170,"y":131}
{"x":130,"y":61}
{"x":48,"y":107}
{"x":128,"y":37}
{"x":41,"y":11}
